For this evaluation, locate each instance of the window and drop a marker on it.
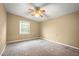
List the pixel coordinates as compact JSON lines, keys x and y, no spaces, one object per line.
{"x":24,"y":27}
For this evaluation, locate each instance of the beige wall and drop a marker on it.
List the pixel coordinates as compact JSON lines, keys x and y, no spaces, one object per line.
{"x":64,"y":29}
{"x":2,"y":28}
{"x":13,"y":29}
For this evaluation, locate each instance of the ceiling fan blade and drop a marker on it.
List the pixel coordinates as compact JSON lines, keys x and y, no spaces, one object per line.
{"x":41,"y":15}
{"x":46,"y":15}
{"x":31,"y":10}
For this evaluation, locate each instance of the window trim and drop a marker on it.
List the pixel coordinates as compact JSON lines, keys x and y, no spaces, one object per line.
{"x":27,"y":23}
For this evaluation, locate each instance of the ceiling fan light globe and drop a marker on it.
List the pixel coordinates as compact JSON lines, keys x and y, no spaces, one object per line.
{"x":36,"y":15}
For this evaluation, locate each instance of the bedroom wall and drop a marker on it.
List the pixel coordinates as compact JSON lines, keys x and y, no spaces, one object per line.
{"x":63,"y":29}
{"x":13,"y":29}
{"x":2,"y":28}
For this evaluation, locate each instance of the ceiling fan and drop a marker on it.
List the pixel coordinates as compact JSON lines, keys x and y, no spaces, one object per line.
{"x":38,"y":11}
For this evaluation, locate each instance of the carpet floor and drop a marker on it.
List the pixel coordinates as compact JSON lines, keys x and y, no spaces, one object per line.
{"x":39,"y":48}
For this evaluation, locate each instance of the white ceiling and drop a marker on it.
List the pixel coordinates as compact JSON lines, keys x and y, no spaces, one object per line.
{"x":52,"y":10}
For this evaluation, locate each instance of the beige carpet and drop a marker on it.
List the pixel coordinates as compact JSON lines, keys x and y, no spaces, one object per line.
{"x":39,"y":48}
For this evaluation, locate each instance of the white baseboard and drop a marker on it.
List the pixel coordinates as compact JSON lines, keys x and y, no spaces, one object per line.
{"x":63,"y":44}
{"x":3,"y":50}
{"x":22,"y":40}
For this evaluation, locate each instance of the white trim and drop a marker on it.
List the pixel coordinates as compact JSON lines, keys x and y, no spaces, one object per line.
{"x":22,"y":40}
{"x":3,"y":50}
{"x":63,"y":44}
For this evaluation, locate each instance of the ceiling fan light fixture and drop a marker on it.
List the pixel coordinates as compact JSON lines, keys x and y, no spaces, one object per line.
{"x":36,"y":15}
{"x":37,"y":12}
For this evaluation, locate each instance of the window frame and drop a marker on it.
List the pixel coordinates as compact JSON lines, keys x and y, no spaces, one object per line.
{"x":27,"y":24}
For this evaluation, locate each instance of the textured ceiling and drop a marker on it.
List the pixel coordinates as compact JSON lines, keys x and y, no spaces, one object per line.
{"x":52,"y":10}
